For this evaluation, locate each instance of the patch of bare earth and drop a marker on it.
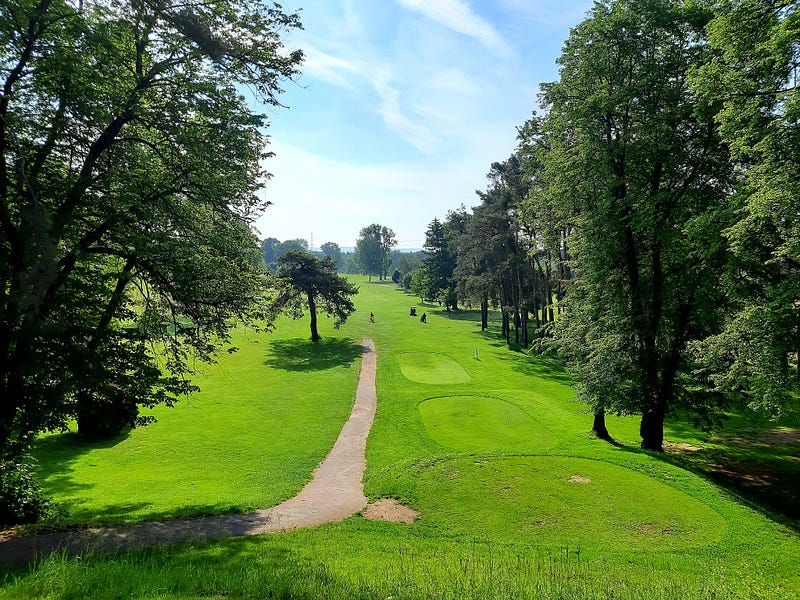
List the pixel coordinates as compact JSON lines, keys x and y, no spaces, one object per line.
{"x":579,"y":479}
{"x":389,"y":509}
{"x":775,"y":436}
{"x":678,"y":448}
{"x":650,"y":529}
{"x":762,"y":464}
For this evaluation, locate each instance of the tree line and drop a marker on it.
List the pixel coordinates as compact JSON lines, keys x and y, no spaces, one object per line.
{"x":374,"y":254}
{"x":647,"y":226}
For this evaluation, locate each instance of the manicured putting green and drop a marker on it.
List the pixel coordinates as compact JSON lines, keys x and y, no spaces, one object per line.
{"x":563,"y":501}
{"x":478,"y":423}
{"x":432,"y":368}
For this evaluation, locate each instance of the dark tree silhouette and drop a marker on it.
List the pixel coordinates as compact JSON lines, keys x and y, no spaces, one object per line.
{"x":306,"y":281}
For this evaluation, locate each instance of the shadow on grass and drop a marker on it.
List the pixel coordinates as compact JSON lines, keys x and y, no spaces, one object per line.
{"x":749,"y":464}
{"x":764,"y":477}
{"x":241,"y":567}
{"x":55,"y":453}
{"x":305,"y":355}
{"x":543,"y":366}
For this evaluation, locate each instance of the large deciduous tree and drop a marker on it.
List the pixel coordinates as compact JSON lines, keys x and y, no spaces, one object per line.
{"x":373,"y":250}
{"x":307,"y":282}
{"x":129,"y":166}
{"x":753,"y":79}
{"x":648,"y":244}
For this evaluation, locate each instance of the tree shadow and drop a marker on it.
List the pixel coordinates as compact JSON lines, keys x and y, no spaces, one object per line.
{"x":54,"y":453}
{"x":462,"y":314}
{"x":304,"y":355}
{"x":764,"y":478}
{"x":542,"y":366}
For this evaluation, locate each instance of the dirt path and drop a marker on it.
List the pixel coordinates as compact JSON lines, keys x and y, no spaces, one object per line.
{"x":334,"y":493}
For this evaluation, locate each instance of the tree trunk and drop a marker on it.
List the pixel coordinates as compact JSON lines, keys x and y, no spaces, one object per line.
{"x":525,"y":338}
{"x":312,"y":310}
{"x":599,"y":425}
{"x":484,"y":313}
{"x":652,"y":429}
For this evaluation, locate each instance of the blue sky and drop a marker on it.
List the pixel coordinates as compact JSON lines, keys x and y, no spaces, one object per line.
{"x":401,"y":109}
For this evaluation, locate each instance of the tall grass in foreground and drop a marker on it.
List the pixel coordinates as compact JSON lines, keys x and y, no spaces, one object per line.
{"x":446,"y":573}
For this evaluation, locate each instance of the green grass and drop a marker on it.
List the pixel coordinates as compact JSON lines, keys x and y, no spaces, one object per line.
{"x":517,"y":500}
{"x":431,"y":368}
{"x":564,"y":501}
{"x":249,"y":439}
{"x":480,"y":424}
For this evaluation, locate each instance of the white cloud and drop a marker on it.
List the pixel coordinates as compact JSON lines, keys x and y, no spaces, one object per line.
{"x":338,"y":71}
{"x":458,"y":16}
{"x":333,"y":199}
{"x":328,"y":68}
{"x":407,"y":128}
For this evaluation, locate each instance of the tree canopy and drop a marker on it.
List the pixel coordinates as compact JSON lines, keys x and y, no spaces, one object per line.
{"x":751,"y":79}
{"x":307,"y":282}
{"x":127,"y":194}
{"x":648,"y":240}
{"x":373,"y":248}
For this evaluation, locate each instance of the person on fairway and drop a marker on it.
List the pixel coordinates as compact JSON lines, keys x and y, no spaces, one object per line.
{"x":423,"y":318}
{"x":371,"y":317}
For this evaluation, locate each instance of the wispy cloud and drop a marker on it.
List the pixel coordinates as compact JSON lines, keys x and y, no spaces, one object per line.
{"x":548,"y":13}
{"x":398,"y":121}
{"x":345,"y":73}
{"x":459,"y":16}
{"x":328,"y":68}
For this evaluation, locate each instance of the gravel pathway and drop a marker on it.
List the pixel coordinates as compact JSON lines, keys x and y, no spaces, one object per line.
{"x":334,"y":493}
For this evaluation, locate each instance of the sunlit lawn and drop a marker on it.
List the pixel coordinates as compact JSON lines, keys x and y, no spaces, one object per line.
{"x":266,"y":416}
{"x":517,"y":500}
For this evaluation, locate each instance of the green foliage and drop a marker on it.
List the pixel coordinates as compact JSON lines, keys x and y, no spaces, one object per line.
{"x":439,"y":263}
{"x":406,"y":261}
{"x":126,"y":199}
{"x":751,"y":83}
{"x":332,"y":250}
{"x":373,"y":250}
{"x":273,"y":249}
{"x":21,"y":498}
{"x":648,"y":245}
{"x":420,"y":284}
{"x":305,"y":281}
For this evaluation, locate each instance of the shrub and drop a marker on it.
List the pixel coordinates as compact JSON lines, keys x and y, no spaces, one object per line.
{"x":21,"y":498}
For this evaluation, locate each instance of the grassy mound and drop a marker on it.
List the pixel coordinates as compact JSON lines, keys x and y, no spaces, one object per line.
{"x":563,"y":501}
{"x":483,"y":424}
{"x":431,"y":368}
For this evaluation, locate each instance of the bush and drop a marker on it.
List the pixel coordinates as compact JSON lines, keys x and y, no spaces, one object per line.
{"x":21,"y":498}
